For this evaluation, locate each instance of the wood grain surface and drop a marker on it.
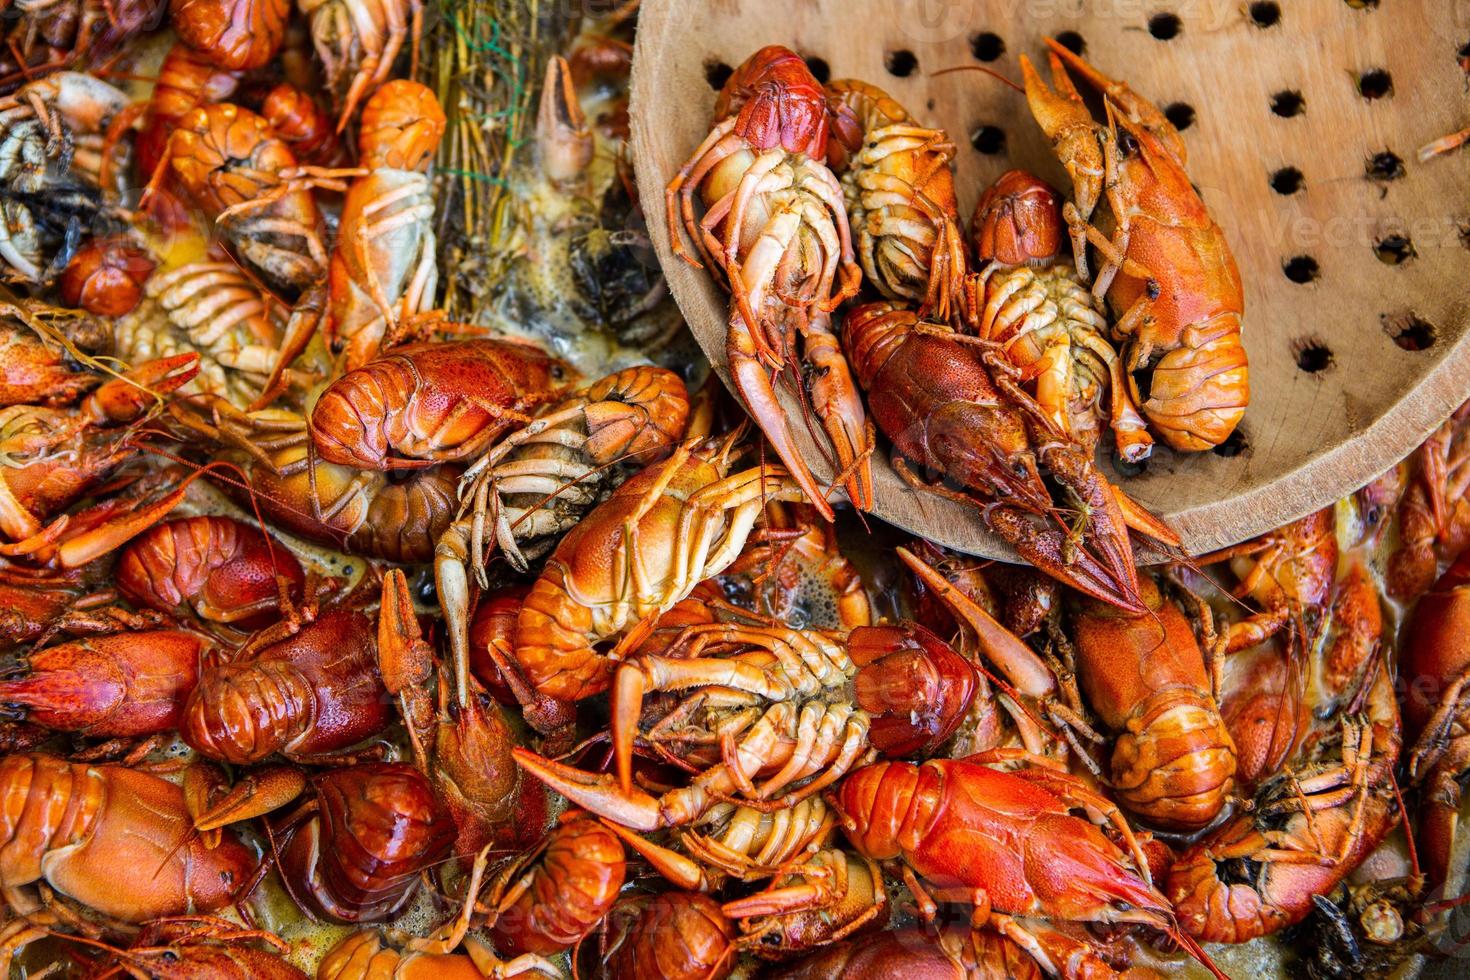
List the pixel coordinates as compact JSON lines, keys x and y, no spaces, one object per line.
{"x":1339,"y":391}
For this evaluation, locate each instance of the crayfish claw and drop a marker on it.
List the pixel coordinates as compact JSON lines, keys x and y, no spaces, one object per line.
{"x":680,"y":870}
{"x":564,"y":139}
{"x":1134,"y":107}
{"x":405,"y":659}
{"x":1068,"y":123}
{"x":753,"y":383}
{"x":1052,"y":552}
{"x":1022,"y":668}
{"x":253,"y":796}
{"x":128,"y":396}
{"x":599,"y":794}
{"x":1139,"y":518}
{"x":629,"y":687}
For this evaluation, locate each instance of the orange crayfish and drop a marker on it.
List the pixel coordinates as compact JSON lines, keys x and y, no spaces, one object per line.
{"x":776,"y":226}
{"x":1167,"y":271}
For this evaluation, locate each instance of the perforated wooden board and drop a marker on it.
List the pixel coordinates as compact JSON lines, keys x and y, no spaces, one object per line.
{"x":1338,"y":393}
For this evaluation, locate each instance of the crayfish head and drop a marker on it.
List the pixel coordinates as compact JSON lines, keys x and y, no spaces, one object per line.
{"x":916,"y":687}
{"x":779,"y":101}
{"x":474,"y":772}
{"x":1018,"y":221}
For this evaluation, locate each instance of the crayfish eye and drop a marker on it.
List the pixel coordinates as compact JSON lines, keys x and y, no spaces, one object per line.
{"x":1153,"y":289}
{"x":1127,"y":143}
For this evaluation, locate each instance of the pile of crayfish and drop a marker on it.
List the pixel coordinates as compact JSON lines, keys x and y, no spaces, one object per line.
{"x":342,"y":638}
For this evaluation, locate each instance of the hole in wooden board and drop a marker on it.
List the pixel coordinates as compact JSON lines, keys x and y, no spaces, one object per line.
{"x":1362,"y":4}
{"x":820,"y":70}
{"x":1165,"y":26}
{"x":1288,"y":103}
{"x":717,"y":73}
{"x":1125,"y":468}
{"x":987,"y":46}
{"x":1235,"y":444}
{"x":1312,"y":354}
{"x":900,"y":63}
{"x":1385,"y":166}
{"x":1072,"y":41}
{"x":1302,"y":269}
{"x":1180,"y":114}
{"x":1408,"y":330}
{"x":1265,"y":13}
{"x":988,"y":139}
{"x":1394,"y":249}
{"x":1287,"y":180}
{"x":1375,"y":83}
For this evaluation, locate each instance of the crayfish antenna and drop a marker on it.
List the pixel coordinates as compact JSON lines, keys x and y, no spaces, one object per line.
{"x":599,"y":794}
{"x":982,"y":69}
{"x":1195,"y":950}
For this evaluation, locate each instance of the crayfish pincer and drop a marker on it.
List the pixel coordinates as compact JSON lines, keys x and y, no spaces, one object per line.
{"x":934,"y":395}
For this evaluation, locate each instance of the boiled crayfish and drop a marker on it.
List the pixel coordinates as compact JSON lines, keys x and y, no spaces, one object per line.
{"x":776,"y":226}
{"x":1167,"y":270}
{"x":934,"y":395}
